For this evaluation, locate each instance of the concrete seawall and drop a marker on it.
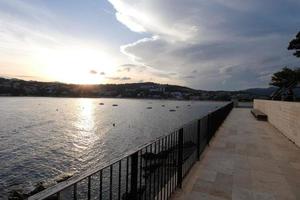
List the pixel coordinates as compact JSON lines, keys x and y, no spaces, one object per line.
{"x":285,"y":116}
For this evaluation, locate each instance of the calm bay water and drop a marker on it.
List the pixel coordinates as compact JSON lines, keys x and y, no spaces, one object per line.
{"x":42,"y":138}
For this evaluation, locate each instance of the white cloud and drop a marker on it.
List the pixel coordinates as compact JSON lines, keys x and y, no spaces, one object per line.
{"x":137,"y":16}
{"x":33,"y":46}
{"x":222,"y":40}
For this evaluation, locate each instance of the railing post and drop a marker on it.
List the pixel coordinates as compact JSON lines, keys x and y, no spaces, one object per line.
{"x":198,"y":139}
{"x":180,"y":158}
{"x":134,"y":176}
{"x":208,"y":129}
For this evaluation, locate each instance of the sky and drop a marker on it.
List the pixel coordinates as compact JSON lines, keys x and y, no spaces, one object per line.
{"x":203,"y":44}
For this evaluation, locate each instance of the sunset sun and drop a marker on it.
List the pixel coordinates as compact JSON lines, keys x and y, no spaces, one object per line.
{"x":75,"y":64}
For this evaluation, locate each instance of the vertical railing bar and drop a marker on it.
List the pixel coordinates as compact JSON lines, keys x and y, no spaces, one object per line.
{"x":134,"y":176}
{"x":162,"y":170}
{"x":169,"y":166}
{"x":120,"y":179}
{"x":155,"y":163}
{"x":175,"y":160}
{"x":141,"y":174}
{"x":127,"y":165}
{"x":150,"y":172}
{"x":180,"y":157}
{"x":208,"y":130}
{"x":165,"y":170}
{"x":172,"y":162}
{"x":59,"y":196}
{"x":146,"y":177}
{"x":110,"y":181}
{"x":75,"y":191}
{"x":89,"y":187}
{"x":100,"y":184}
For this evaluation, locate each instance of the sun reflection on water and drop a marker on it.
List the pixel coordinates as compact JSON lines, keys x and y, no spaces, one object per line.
{"x":85,"y":124}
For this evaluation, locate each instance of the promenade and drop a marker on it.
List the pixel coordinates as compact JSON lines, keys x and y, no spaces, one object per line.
{"x":246,"y":160}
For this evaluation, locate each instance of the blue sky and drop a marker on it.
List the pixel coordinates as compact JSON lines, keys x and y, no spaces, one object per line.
{"x":90,"y":19}
{"x":216,"y":44}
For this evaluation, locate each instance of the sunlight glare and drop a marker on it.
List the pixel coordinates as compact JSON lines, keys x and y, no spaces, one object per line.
{"x":73,"y":64}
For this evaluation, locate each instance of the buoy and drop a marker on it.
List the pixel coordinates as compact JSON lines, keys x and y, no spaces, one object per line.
{"x":114,"y":124}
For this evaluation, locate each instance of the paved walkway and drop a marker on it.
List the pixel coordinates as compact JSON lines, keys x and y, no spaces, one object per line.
{"x":247,"y":160}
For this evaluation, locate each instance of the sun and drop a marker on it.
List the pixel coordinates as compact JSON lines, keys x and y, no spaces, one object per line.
{"x":73,"y":64}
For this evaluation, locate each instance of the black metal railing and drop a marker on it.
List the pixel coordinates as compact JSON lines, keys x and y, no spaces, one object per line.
{"x":153,"y":171}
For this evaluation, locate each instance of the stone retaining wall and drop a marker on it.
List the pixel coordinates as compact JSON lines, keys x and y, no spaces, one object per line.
{"x":285,"y":116}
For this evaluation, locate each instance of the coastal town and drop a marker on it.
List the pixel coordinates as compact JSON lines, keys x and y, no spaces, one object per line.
{"x":16,"y":87}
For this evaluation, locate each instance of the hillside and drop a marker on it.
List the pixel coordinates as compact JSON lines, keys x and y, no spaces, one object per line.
{"x":16,"y":87}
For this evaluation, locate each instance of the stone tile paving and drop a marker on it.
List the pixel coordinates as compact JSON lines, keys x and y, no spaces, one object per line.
{"x":247,"y":160}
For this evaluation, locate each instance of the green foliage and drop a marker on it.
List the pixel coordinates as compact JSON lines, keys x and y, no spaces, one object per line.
{"x":285,"y":77}
{"x":295,"y":45}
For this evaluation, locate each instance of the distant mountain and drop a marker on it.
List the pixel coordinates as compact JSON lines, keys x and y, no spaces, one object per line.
{"x":268,"y":91}
{"x":16,"y":87}
{"x":261,"y":91}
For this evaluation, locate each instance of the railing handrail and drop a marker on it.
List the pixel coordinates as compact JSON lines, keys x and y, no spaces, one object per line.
{"x":73,"y":180}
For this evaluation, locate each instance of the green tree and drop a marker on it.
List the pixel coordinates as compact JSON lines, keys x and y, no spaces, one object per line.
{"x":285,"y":77}
{"x":295,"y":45}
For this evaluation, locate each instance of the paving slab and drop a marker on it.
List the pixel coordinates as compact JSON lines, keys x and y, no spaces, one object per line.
{"x":246,"y":160}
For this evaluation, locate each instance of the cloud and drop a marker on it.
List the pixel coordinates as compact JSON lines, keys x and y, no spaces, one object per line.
{"x":189,"y":77}
{"x":119,"y":78}
{"x":227,"y":43}
{"x":35,"y":40}
{"x":146,"y":16}
{"x":25,"y":77}
{"x":93,"y":72}
{"x":132,"y":67}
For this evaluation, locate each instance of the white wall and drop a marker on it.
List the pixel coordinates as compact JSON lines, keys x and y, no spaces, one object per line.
{"x":285,"y":116}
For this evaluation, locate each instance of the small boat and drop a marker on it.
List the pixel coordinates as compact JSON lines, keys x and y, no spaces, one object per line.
{"x":162,"y":105}
{"x":101,"y":103}
{"x":189,"y":105}
{"x":149,"y":107}
{"x":115,"y":105}
{"x":177,"y":106}
{"x":172,"y":110}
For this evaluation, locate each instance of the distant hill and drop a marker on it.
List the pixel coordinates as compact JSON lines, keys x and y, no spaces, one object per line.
{"x":16,"y":87}
{"x":261,"y":91}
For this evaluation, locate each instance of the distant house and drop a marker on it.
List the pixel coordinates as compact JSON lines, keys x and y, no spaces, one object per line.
{"x":177,"y":95}
{"x":130,"y":90}
{"x":194,"y":97}
{"x":30,"y":89}
{"x":147,"y":87}
{"x":6,"y":84}
{"x":158,"y":89}
{"x":16,"y":85}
